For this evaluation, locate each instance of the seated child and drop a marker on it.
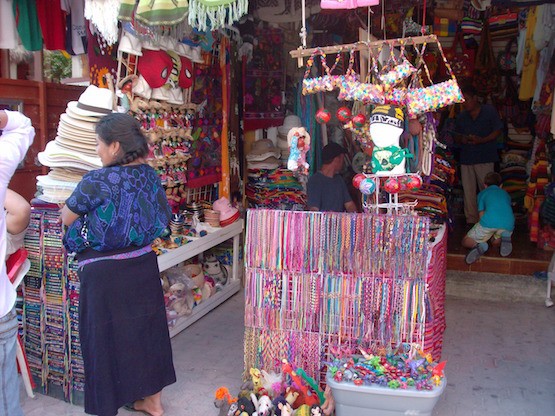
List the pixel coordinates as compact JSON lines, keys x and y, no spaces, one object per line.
{"x":497,"y":221}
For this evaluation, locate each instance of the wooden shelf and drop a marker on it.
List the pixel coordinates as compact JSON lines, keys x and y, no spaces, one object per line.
{"x":185,"y":252}
{"x":193,"y":248}
{"x":205,"y":306}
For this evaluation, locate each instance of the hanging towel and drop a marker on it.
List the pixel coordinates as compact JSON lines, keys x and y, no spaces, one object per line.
{"x":215,"y":14}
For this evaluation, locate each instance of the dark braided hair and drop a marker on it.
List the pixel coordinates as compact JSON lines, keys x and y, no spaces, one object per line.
{"x":124,"y":129}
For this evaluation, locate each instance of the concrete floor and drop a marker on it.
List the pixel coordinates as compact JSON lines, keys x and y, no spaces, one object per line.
{"x":500,"y":353}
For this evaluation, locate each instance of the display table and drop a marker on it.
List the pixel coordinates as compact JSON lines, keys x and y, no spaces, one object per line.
{"x":199,"y":246}
{"x":322,"y":282}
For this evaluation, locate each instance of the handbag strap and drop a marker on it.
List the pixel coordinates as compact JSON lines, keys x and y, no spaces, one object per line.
{"x":447,"y":65}
{"x":310,"y":61}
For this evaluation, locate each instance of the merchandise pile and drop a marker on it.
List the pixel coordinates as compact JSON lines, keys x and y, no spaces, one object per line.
{"x":275,"y":189}
{"x":401,"y":370}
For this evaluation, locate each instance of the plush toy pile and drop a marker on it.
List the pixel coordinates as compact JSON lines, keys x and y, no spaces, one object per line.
{"x":290,"y":392}
{"x":397,"y":371}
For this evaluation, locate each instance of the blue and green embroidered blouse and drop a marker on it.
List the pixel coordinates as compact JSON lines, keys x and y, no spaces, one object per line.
{"x":119,"y":206}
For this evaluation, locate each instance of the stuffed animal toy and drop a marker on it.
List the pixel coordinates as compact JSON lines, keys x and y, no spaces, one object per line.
{"x":272,"y":383}
{"x":386,"y":127}
{"x":217,"y":271}
{"x":282,"y":407}
{"x":245,"y":407}
{"x":263,"y":405}
{"x":223,"y":400}
{"x":298,"y":140}
{"x":300,"y":384}
{"x":178,"y":300}
{"x":329,"y":404}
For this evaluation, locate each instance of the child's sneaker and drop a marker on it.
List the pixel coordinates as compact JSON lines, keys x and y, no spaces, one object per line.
{"x":476,"y":252}
{"x":506,"y":246}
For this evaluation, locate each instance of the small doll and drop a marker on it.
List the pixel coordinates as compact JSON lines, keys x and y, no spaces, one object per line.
{"x":299,"y":144}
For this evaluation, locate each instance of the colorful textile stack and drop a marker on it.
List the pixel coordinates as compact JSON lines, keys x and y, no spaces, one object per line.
{"x":274,"y":188}
{"x":50,"y":312}
{"x":513,"y":172}
{"x":318,"y":281}
{"x":535,"y":196}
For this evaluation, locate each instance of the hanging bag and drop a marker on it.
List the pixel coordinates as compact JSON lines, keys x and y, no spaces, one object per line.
{"x":351,"y":89}
{"x":422,"y":100}
{"x":506,"y":58}
{"x":325,"y":83}
{"x":486,"y":74}
{"x":396,"y":69}
{"x":460,"y":58}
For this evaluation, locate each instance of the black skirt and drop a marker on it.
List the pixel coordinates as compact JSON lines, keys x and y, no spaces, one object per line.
{"x":124,"y":333}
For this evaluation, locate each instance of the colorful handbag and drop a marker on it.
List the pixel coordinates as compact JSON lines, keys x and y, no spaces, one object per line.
{"x":347,"y":4}
{"x":324,"y":83}
{"x":506,"y":59}
{"x":486,"y":74}
{"x":351,"y":89}
{"x":395,"y":69}
{"x":422,"y":100}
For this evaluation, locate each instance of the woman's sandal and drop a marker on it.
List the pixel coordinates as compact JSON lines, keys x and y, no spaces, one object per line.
{"x":131,"y":408}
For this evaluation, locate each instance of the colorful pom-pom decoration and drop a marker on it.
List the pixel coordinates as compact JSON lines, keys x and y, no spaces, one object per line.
{"x":392,"y":185}
{"x":357,"y":179}
{"x":359,"y":120}
{"x":323,"y":116}
{"x":367,"y":186}
{"x":413,"y":182}
{"x":344,"y":114}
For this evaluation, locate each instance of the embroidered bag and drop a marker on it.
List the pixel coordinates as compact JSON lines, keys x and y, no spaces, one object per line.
{"x":460,"y":58}
{"x":506,"y":59}
{"x":486,"y":75}
{"x":351,"y":89}
{"x":422,"y":100}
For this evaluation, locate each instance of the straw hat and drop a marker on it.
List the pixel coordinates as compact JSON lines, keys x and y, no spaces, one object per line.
{"x":55,"y":155}
{"x":269,"y":163}
{"x":288,"y":123}
{"x":93,"y":102}
{"x":261,"y":150}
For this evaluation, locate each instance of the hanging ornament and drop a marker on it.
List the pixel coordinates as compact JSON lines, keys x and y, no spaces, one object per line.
{"x":323,"y":116}
{"x":343,"y":114}
{"x":357,"y":179}
{"x":413,"y":182}
{"x":367,"y":186}
{"x":359,"y":120}
{"x":392,"y":185}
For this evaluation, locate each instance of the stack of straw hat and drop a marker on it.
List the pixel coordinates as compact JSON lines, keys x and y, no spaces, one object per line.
{"x":72,"y":153}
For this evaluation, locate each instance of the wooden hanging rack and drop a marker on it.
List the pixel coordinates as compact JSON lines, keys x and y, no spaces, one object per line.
{"x":299,"y":53}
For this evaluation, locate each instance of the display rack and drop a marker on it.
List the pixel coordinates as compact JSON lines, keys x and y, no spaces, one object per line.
{"x":194,"y":248}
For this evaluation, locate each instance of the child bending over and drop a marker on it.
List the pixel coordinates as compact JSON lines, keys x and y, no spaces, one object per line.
{"x":497,"y":221}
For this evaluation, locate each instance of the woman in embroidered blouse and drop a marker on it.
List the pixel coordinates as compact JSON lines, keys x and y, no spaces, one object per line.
{"x":112,"y":217}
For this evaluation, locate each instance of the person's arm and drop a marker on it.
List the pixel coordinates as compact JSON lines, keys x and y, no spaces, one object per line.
{"x":18,"y":212}
{"x":68,"y":216}
{"x":489,"y":138}
{"x":350,"y":206}
{"x":17,"y":136}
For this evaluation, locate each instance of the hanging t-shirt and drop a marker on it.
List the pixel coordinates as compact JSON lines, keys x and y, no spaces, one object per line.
{"x":76,"y":33}
{"x":28,"y":25}
{"x":530,"y":59}
{"x":8,"y":29}
{"x":52,"y":23}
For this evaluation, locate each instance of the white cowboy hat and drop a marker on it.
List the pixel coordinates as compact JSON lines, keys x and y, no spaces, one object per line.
{"x":55,"y":155}
{"x":263,"y":149}
{"x":93,"y":102}
{"x":129,"y":43}
{"x":288,"y":123}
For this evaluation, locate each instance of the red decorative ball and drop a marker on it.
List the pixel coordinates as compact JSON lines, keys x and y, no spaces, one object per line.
{"x":323,"y":116}
{"x":357,"y":179}
{"x":359,"y":120}
{"x":344,"y":114}
{"x":392,"y":185}
{"x":413,"y":182}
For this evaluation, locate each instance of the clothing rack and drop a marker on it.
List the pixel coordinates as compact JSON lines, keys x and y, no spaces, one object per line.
{"x":300,"y":52}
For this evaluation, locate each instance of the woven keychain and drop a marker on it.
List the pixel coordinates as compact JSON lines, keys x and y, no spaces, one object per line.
{"x":324,"y":83}
{"x":421,"y":100}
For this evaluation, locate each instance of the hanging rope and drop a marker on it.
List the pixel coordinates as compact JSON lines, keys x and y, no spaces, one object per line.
{"x":302,"y":34}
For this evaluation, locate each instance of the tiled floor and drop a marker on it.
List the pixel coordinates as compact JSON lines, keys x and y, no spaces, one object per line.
{"x":500,"y":362}
{"x":525,"y":259}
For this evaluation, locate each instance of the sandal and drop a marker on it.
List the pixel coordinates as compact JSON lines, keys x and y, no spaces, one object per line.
{"x":131,"y":408}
